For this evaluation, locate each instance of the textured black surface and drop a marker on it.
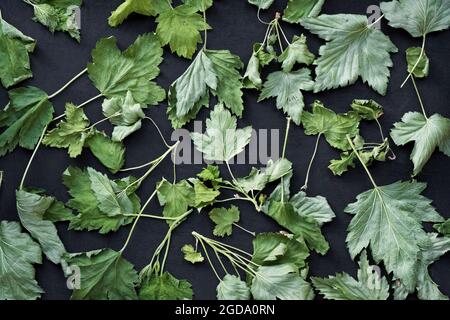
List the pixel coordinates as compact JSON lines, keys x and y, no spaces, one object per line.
{"x":58,"y":58}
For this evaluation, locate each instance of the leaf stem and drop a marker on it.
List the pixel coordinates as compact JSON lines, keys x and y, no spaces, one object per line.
{"x":80,"y":106}
{"x":151,"y":216}
{"x":419,"y":97}
{"x":286,"y":136}
{"x":380,"y":128}
{"x":362,"y":162}
{"x":205,"y":31}
{"x":245,"y":230}
{"x":376,"y":21}
{"x":68,"y":83}
{"x":305,"y":185}
{"x":422,"y":51}
{"x":31,"y":158}
{"x":159,"y":131}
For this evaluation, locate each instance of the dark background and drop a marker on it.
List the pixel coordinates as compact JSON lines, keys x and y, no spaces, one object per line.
{"x":58,"y":58}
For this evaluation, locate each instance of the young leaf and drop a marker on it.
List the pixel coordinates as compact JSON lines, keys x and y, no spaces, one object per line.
{"x":212,"y":174}
{"x":388,"y":219}
{"x":192,"y":85}
{"x":224,"y":220}
{"x":296,"y":10}
{"x":125,"y":114}
{"x":31,"y":208}
{"x":58,"y":15}
{"x":427,"y":133}
{"x":71,"y":133}
{"x":165,"y":287}
{"x":222,"y":141}
{"x":260,"y":58}
{"x":18,"y":253}
{"x":200,"y":5}
{"x":282,"y":282}
{"x":286,"y":86}
{"x":369,"y":286}
{"x":258,"y":179}
{"x":350,"y":52}
{"x":296,"y":52}
{"x":176,"y":198}
{"x":146,"y":8}
{"x":192,"y":255}
{"x":423,"y":67}
{"x":232,"y":288}
{"x":28,"y":114}
{"x":335,"y":127}
{"x":430,"y":252}
{"x":110,"y":153}
{"x":275,"y":248}
{"x":180,"y":27}
{"x":367,"y":109}
{"x":204,"y":196}
{"x":105,"y":275}
{"x":84,"y":201}
{"x":418,"y":17}
{"x":114,"y":73}
{"x":229,"y":81}
{"x":293,"y":215}
{"x":14,"y":49}
{"x":261,"y":4}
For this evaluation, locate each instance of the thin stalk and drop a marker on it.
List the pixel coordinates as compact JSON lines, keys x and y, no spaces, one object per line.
{"x":166,"y":251}
{"x":174,"y":166}
{"x":375,"y":22}
{"x":305,"y":185}
{"x":259,"y":18}
{"x":362,"y":162}
{"x":286,"y":136}
{"x":151,"y":162}
{"x":205,"y":31}
{"x":102,"y":120}
{"x":31,"y":159}
{"x":68,"y":83}
{"x":380,"y":128}
{"x":80,"y":106}
{"x":422,"y":51}
{"x":277,"y":26}
{"x":220,"y":261}
{"x":419,"y":97}
{"x":137,"y":219}
{"x":245,"y":230}
{"x":284,"y":35}
{"x":159,"y":131}
{"x":209,"y":260}
{"x":151,"y":216}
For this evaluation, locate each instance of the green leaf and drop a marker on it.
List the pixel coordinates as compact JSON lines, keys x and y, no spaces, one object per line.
{"x":296,"y":10}
{"x":369,"y":286}
{"x":18,"y":253}
{"x":110,"y":153}
{"x":282,"y":282}
{"x":176,"y":198}
{"x":58,"y":212}
{"x":224,"y":219}
{"x":418,"y":17}
{"x":315,"y":207}
{"x":111,"y":200}
{"x":58,"y":15}
{"x":260,"y":58}
{"x":286,"y":86}
{"x":114,"y":73}
{"x":191,"y":254}
{"x":293,"y":215}
{"x":232,"y":288}
{"x":388,"y":219}
{"x":258,"y":179}
{"x":222,"y":141}
{"x":31,"y":209}
{"x":430,"y":252}
{"x":275,"y":248}
{"x":229,"y":81}
{"x":261,"y":4}
{"x":71,"y":133}
{"x":180,"y":27}
{"x":350,"y":52}
{"x":125,"y":114}
{"x":105,"y":275}
{"x":426,"y":133}
{"x":146,"y":8}
{"x":14,"y":49}
{"x":296,"y":52}
{"x":28,"y":114}
{"x":165,"y":287}
{"x":211,"y":174}
{"x":204,"y":196}
{"x":190,"y":88}
{"x":412,"y":57}
{"x":335,"y":127}
{"x":84,"y":201}
{"x":178,"y":122}
{"x":200,"y":5}
{"x":443,"y":228}
{"x":367,"y":109}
